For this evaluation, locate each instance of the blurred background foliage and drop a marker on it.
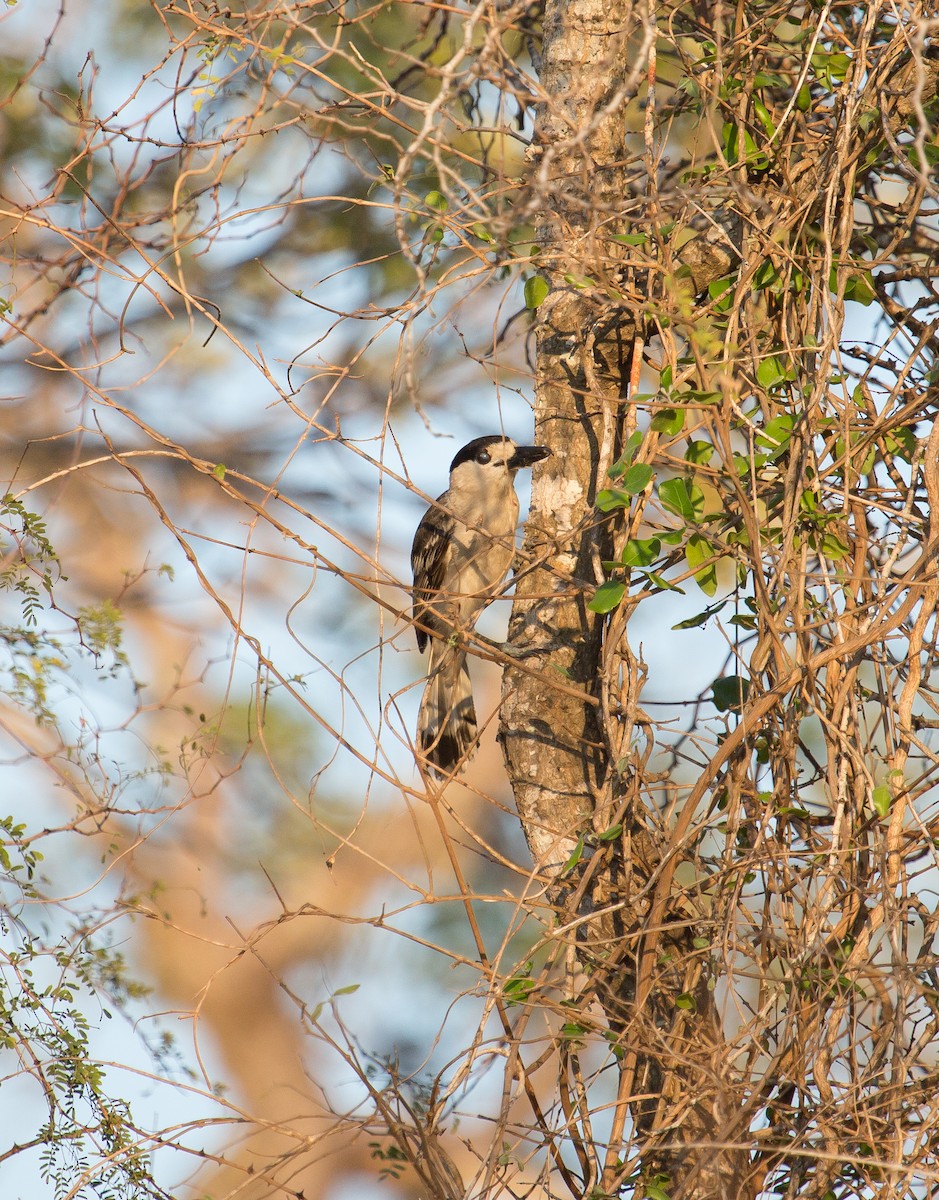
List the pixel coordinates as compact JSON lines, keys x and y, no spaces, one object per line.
{"x":216,"y":343}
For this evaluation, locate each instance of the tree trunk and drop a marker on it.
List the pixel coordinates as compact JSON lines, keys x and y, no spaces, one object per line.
{"x":570,"y":707}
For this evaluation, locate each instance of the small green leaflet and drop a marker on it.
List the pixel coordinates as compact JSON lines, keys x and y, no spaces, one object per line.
{"x":536,"y":288}
{"x":700,"y":556}
{"x":730,"y":693}
{"x":762,"y":115}
{"x":833,"y":547}
{"x":776,"y":433}
{"x":518,"y":989}
{"x":860,"y":289}
{"x":670,"y":421}
{"x":633,"y":480}
{"x":683,"y":498}
{"x":765,"y":275}
{"x":641,"y":552}
{"x":700,"y":618}
{"x":771,"y":372}
{"x":752,"y":155}
{"x":636,"y":478}
{"x":607,"y":597}
{"x":580,"y":281}
{"x":901,"y":443}
{"x":719,"y":289}
{"x":437,"y":200}
{"x":624,"y":462}
{"x":699,"y":452}
{"x":660,"y":581}
{"x":576,"y":855}
{"x":881,"y":800}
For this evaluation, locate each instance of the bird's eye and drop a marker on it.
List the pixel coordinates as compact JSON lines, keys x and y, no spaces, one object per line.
{"x":483,"y":457}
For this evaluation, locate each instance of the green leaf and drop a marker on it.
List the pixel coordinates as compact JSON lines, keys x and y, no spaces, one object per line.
{"x":633,"y":442}
{"x":859,"y":285}
{"x":762,"y":115}
{"x":882,"y":799}
{"x":580,"y":281}
{"x":701,"y":943}
{"x":611,"y":498}
{"x":833,"y":547}
{"x":699,"y":452}
{"x":686,"y":1002}
{"x":808,"y":503}
{"x":630,"y":239}
{"x":641,"y":552}
{"x":702,"y":397}
{"x":901,"y":443}
{"x":636,"y":479}
{"x":610,"y":834}
{"x":607,"y":597}
{"x":576,"y":855}
{"x":654,"y":1192}
{"x":752,"y":155}
{"x":765,"y":275}
{"x":718,"y":287}
{"x":479,"y":230}
{"x":347,"y":990}
{"x":696,"y":621}
{"x":437,"y":201}
{"x":700,"y":618}
{"x":683,"y":498}
{"x":860,"y":289}
{"x":930,"y":153}
{"x":661,"y":582}
{"x":665,"y":379}
{"x":519,"y":987}
{"x":865,"y":466}
{"x":536,"y":288}
{"x":219,"y":470}
{"x":771,"y":372}
{"x":670,"y":421}
{"x":721,"y":292}
{"x":830,"y":66}
{"x":730,"y":692}
{"x":776,"y":433}
{"x":699,"y":554}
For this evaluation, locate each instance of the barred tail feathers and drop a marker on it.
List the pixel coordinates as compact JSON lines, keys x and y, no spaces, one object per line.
{"x":446,"y":724}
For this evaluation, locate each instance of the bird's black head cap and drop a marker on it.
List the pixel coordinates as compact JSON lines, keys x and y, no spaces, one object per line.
{"x":471,"y":449}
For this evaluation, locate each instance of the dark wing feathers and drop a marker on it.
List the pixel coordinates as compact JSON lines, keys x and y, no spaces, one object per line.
{"x":428,"y":556}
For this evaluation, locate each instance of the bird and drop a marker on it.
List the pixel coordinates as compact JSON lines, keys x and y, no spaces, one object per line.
{"x":462,"y":552}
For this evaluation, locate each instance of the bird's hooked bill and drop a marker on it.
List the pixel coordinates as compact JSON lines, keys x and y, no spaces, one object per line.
{"x":527,"y":456}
